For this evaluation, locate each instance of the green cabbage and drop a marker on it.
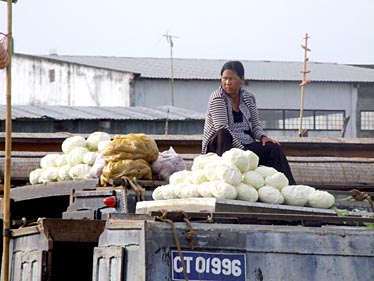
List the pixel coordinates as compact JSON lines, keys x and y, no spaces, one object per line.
{"x":277,"y":180}
{"x":72,"y":142}
{"x":49,"y":175}
{"x":244,"y":160}
{"x":63,"y":173}
{"x":89,"y":158}
{"x":321,"y":199}
{"x":61,"y":160}
{"x":204,"y":189}
{"x":75,"y":156}
{"x":185,"y":190}
{"x":271,"y":195}
{"x":95,"y":138}
{"x":296,"y":195}
{"x":265,"y":171}
{"x":227,"y":173}
{"x":198,"y":177}
{"x":246,"y":192}
{"x":34,"y":176}
{"x":80,"y":172}
{"x":201,"y":161}
{"x":163,"y":192}
{"x":49,"y":160}
{"x":223,"y":190}
{"x":254,"y":179}
{"x":183,"y":176}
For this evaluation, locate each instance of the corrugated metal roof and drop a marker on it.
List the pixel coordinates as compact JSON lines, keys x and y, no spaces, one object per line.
{"x":100,"y":113}
{"x":209,"y":69}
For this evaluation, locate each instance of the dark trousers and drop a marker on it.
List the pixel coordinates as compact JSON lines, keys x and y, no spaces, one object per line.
{"x":271,"y":154}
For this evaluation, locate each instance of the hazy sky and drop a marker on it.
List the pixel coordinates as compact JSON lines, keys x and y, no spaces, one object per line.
{"x":341,"y":31}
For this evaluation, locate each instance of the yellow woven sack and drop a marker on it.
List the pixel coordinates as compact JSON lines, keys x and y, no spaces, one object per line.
{"x":139,"y":169}
{"x":131,"y":146}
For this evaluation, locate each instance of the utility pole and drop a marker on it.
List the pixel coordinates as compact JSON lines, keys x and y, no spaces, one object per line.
{"x":8,"y":148}
{"x":169,"y":39}
{"x":303,"y":83}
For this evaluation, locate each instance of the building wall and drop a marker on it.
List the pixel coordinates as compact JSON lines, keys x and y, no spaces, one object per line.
{"x":86,"y":126}
{"x":37,"y":81}
{"x":365,"y":102}
{"x":317,"y":95}
{"x":189,"y":94}
{"x":194,"y":95}
{"x":42,"y":82}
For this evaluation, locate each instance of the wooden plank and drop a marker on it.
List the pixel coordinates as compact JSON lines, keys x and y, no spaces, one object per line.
{"x":52,"y":189}
{"x":265,"y":218}
{"x":211,"y":205}
{"x":73,"y":230}
{"x":292,"y":146}
{"x":322,"y":172}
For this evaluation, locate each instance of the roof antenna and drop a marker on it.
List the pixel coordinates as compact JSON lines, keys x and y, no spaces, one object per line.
{"x":305,"y":81}
{"x":169,"y":39}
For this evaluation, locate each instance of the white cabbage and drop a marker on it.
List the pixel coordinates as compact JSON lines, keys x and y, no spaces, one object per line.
{"x":204,"y":189}
{"x":277,"y":180}
{"x":321,"y":199}
{"x":223,"y":190}
{"x":271,"y":195}
{"x":89,"y":157}
{"x":198,"y":177}
{"x":180,"y":177}
{"x":244,"y":160}
{"x":49,"y":160}
{"x":253,"y":159}
{"x":296,"y":195}
{"x":72,"y":142}
{"x":163,"y":192}
{"x":95,"y":138}
{"x":63,"y":173}
{"x":246,"y":192}
{"x":265,"y":171}
{"x":223,"y":172}
{"x":178,"y":188}
{"x":168,"y":192}
{"x":187,"y":190}
{"x":254,"y":179}
{"x":34,"y":176}
{"x":199,"y":162}
{"x":75,"y":156}
{"x":101,"y":145}
{"x":80,"y":172}
{"x":157,"y":193}
{"x":61,"y":160}
{"x":48,"y":175}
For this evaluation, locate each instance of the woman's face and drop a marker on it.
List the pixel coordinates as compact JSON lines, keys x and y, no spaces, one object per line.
{"x":231,"y":82}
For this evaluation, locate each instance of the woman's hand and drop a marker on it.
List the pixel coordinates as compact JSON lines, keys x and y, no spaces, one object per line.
{"x":266,"y":139}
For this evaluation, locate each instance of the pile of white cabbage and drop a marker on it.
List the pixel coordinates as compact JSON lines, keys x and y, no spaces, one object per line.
{"x":237,"y":175}
{"x":80,"y":159}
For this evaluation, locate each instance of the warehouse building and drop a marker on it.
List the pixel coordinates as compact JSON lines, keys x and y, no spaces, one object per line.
{"x":338,"y":102}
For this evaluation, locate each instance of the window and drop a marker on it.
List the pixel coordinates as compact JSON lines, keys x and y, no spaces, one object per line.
{"x":367,"y":120}
{"x":51,"y":75}
{"x":329,"y":120}
{"x":289,"y":119}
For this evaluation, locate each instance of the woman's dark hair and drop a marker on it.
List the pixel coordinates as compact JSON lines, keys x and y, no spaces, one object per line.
{"x":236,"y":66}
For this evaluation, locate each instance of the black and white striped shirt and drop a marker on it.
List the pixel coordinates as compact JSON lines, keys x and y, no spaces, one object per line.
{"x":219,"y":115}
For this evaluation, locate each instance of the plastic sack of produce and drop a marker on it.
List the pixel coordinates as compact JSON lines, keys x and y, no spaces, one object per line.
{"x":131,"y":146}
{"x":167,"y":163}
{"x":138,"y":168}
